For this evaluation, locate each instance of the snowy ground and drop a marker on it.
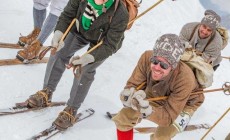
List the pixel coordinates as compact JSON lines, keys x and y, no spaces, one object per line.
{"x":18,"y":82}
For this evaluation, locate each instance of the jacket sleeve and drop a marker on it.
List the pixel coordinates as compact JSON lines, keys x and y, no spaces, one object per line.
{"x":68,"y":14}
{"x":185,"y":33}
{"x":114,"y":36}
{"x":195,"y":101}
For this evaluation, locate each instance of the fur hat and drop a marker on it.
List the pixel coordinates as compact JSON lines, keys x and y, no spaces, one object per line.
{"x":211,"y":19}
{"x":170,"y":47}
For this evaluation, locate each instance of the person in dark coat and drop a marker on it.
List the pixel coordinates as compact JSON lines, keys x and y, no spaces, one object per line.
{"x":96,"y":20}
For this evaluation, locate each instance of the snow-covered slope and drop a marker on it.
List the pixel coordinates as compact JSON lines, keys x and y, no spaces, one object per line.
{"x":18,"y":82}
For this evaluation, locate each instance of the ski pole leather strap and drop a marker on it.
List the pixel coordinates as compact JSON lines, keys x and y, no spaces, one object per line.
{"x":43,"y":52}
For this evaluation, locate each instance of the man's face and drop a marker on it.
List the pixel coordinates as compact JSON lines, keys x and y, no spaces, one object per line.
{"x":100,"y":2}
{"x":160,"y":68}
{"x":204,"y":31}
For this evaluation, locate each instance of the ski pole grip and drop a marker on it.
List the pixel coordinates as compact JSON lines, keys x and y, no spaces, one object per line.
{"x":54,"y":50}
{"x":125,"y":98}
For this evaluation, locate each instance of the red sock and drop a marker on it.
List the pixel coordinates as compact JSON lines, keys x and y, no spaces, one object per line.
{"x":125,"y":135}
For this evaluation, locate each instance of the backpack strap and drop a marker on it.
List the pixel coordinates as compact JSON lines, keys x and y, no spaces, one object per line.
{"x":115,"y":8}
{"x":116,"y":5}
{"x":211,"y":39}
{"x":193,"y":32}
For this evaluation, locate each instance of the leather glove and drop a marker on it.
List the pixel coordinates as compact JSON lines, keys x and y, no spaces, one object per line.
{"x":138,"y":103}
{"x":187,"y":45}
{"x":56,"y":43}
{"x":137,"y":96}
{"x":126,"y":96}
{"x":82,"y":61}
{"x":146,"y":111}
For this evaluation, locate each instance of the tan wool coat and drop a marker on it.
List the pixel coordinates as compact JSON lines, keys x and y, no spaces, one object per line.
{"x":178,"y":86}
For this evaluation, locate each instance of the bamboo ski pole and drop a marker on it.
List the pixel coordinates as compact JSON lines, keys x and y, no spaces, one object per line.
{"x":225,"y":57}
{"x":200,"y":53}
{"x":42,"y":54}
{"x":216,"y":123}
{"x":53,"y":51}
{"x":147,"y":10}
{"x":225,"y":88}
{"x":96,"y":46}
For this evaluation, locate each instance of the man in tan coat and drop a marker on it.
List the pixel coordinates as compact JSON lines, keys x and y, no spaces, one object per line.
{"x":165,"y":75}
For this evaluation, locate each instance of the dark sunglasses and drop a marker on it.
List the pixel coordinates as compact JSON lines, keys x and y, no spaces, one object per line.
{"x":163,"y":65}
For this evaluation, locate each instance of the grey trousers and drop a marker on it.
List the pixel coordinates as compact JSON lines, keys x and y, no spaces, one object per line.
{"x":56,"y":67}
{"x":47,"y":27}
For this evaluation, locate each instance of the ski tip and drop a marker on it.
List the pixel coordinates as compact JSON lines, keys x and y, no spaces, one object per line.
{"x":90,"y":110}
{"x":206,"y":126}
{"x":21,"y":105}
{"x":109,"y":115}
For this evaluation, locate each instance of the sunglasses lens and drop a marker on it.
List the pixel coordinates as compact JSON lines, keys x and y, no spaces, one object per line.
{"x":163,"y":65}
{"x":155,"y":61}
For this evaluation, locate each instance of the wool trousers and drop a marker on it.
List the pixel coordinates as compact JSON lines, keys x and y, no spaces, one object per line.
{"x":56,"y":6}
{"x":39,"y":17}
{"x":47,"y":28}
{"x":48,"y":24}
{"x":56,"y":67}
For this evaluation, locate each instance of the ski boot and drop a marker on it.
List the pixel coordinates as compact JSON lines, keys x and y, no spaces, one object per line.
{"x":41,"y":98}
{"x":30,"y":52}
{"x":23,"y":40}
{"x":66,"y":118}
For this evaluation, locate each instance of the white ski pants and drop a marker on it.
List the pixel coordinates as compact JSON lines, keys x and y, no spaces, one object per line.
{"x":56,"y":6}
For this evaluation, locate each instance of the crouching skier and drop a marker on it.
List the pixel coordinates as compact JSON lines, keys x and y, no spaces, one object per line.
{"x":165,"y":75}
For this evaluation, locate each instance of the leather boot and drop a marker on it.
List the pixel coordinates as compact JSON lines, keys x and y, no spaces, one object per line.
{"x":41,"y":98}
{"x":30,"y":52}
{"x":66,"y":118}
{"x":23,"y":40}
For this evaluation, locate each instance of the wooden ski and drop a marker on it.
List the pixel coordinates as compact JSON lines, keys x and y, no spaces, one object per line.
{"x":10,"y":45}
{"x":52,"y":130}
{"x":153,"y":129}
{"x":22,"y":108}
{"x":4,"y":62}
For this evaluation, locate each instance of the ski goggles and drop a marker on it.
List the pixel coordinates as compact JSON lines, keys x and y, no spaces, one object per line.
{"x":163,"y":65}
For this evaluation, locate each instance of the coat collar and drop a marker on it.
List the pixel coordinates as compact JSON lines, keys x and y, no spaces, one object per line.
{"x":103,"y":18}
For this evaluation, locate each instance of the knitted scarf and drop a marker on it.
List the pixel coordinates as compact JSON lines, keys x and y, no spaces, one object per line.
{"x":93,"y":11}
